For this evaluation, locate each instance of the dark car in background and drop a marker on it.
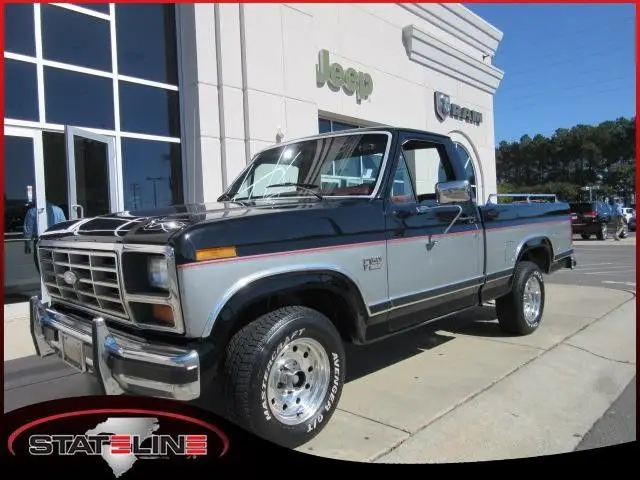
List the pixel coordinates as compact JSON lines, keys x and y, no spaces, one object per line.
{"x":632,"y":223}
{"x":594,"y":218}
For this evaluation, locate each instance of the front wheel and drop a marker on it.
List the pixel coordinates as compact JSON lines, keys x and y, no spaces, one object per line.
{"x":284,"y":375}
{"x":520,"y":311}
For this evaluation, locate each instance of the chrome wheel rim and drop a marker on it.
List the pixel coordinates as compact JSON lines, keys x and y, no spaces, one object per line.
{"x":298,"y":381}
{"x":532,"y":300}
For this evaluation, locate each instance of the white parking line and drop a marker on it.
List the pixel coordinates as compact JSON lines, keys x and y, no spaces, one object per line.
{"x":630,"y":284}
{"x":608,"y":272}
{"x":611,"y":267}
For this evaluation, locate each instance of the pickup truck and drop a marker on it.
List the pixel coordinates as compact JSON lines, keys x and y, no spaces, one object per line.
{"x":348,"y":236}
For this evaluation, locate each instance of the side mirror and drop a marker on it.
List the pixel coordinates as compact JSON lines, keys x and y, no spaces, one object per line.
{"x":458,"y":191}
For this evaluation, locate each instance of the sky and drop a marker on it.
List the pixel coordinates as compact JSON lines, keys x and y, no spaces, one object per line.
{"x":564,"y":64}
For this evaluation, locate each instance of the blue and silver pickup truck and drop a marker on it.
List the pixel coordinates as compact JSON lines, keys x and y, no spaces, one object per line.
{"x":342,"y":237}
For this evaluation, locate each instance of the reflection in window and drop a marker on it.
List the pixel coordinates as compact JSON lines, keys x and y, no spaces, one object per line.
{"x":469,"y":169}
{"x":55,"y":169}
{"x":98,"y":7}
{"x":19,"y":173}
{"x":20,"y":90}
{"x":311,"y":163}
{"x":19,"y":34}
{"x":402,"y":190}
{"x":75,"y":38}
{"x":77,"y":99}
{"x":147,"y":42}
{"x":429,"y":165}
{"x":149,"y":110}
{"x":152,"y":174}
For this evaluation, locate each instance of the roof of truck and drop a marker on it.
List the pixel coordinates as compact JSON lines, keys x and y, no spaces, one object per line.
{"x":385,"y":128}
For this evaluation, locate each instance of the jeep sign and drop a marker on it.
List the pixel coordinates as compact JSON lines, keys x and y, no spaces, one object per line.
{"x":444,"y":109}
{"x":350,"y":80}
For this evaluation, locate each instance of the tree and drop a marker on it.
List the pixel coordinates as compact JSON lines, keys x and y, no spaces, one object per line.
{"x":602,"y":155}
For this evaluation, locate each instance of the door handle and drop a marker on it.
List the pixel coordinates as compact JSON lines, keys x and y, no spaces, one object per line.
{"x":79,"y":207}
{"x":467,"y":219}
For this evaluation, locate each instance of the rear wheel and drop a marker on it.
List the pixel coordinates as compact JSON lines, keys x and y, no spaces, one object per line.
{"x":520,"y":311}
{"x":284,"y":375}
{"x":603,"y":232}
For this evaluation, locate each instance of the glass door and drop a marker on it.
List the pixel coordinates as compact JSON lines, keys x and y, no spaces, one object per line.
{"x":91,"y":173}
{"x":25,"y":212}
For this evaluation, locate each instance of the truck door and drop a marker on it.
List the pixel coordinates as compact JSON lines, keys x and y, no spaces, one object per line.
{"x":435,"y":252}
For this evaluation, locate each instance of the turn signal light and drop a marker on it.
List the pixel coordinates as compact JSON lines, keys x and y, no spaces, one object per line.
{"x":163,"y":314}
{"x":215,"y":253}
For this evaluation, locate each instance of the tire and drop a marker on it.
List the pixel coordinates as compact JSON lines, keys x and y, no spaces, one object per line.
{"x":585,"y":236}
{"x":511,"y":308}
{"x":603,"y":232}
{"x":253,"y":385}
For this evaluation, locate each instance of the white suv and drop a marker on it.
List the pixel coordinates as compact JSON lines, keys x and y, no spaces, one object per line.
{"x":628,"y":213}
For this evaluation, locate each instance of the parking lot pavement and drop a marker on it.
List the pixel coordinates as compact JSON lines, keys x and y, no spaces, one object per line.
{"x":607,"y":264}
{"x":459,"y":390}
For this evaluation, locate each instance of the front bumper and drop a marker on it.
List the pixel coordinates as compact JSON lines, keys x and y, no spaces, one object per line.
{"x":123,"y":364}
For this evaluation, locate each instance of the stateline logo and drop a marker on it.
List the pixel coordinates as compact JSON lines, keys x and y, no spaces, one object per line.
{"x":120,"y":441}
{"x":349,"y":80}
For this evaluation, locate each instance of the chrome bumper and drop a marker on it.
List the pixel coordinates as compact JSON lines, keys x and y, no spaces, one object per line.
{"x":122,"y":363}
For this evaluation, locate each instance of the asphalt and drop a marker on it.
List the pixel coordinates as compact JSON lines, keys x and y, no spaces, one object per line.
{"x":608,"y":264}
{"x":617,"y":425}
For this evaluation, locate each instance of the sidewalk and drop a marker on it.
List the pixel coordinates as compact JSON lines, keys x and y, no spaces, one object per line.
{"x":467,"y":393}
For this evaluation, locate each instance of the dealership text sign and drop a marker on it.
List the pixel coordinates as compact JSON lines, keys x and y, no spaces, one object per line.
{"x":337,"y":77}
{"x":444,"y":109}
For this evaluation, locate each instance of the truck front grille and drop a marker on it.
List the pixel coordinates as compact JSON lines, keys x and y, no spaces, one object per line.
{"x":83,"y":278}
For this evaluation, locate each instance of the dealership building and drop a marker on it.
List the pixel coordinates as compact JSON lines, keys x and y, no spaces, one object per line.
{"x":119,"y":107}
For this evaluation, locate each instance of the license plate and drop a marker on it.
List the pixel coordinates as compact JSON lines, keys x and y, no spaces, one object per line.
{"x":73,"y":352}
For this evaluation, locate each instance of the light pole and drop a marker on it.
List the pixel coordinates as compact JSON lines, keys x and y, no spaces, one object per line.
{"x":155,"y":191}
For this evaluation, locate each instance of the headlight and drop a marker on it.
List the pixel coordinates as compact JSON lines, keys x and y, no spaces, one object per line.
{"x":158,"y":272}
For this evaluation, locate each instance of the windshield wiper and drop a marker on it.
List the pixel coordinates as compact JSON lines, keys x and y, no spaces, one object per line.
{"x":309,"y":187}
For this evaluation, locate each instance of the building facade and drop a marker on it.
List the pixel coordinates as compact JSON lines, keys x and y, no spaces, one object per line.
{"x":134,"y":106}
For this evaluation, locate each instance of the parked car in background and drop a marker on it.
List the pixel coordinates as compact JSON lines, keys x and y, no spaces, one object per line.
{"x":631,"y":225}
{"x":628,"y":213}
{"x":594,"y":218}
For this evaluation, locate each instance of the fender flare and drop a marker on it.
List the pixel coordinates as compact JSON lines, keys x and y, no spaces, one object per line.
{"x":534,"y":243}
{"x":264,"y":284}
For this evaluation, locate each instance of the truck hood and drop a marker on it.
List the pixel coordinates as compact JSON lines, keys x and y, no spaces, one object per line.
{"x":157,"y":226}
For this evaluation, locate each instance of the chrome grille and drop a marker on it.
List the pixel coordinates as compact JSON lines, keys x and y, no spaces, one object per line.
{"x":92,"y":279}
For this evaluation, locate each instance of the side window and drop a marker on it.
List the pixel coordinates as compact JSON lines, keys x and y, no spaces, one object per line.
{"x":428,"y":164}
{"x":402,"y":190}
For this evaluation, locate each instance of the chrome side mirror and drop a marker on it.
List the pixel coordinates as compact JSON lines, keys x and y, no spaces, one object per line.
{"x":458,"y":191}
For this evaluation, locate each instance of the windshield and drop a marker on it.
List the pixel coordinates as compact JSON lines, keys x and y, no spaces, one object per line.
{"x":341,"y":165}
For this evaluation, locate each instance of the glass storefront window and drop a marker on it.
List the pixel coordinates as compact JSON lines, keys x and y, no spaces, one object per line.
{"x":20,"y":273}
{"x":149,"y":110}
{"x":75,"y":38}
{"x":146,"y":42}
{"x":152,"y":174}
{"x":78,"y":99}
{"x":19,"y":36}
{"x":98,"y":7}
{"x":20,"y":90}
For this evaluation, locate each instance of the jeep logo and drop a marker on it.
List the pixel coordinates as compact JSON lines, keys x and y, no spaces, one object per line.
{"x":350,"y":80}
